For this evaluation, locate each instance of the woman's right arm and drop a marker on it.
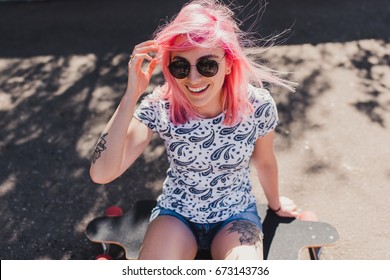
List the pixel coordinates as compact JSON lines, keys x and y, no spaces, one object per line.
{"x":124,"y":138}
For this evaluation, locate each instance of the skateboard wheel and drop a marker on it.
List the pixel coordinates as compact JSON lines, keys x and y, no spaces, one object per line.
{"x":103,"y":257}
{"x":114,"y":211}
{"x":307,"y":216}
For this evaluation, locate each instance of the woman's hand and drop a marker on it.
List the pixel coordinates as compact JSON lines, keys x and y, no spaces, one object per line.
{"x":287,"y":208}
{"x":138,"y":79}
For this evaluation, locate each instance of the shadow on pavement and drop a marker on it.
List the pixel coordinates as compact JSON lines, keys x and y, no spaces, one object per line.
{"x":62,"y":73}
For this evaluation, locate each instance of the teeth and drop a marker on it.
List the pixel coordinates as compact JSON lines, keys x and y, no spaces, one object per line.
{"x":197,"y":89}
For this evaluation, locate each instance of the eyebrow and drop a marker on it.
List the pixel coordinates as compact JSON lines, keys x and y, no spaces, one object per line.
{"x":200,"y":58}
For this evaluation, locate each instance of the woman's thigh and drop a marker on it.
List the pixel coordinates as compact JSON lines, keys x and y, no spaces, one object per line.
{"x":168,"y":238}
{"x":239,"y":239}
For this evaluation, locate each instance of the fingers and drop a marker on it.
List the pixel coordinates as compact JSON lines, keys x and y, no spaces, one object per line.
{"x":143,"y":49}
{"x":289,"y":208}
{"x":137,"y":59}
{"x":287,"y":213}
{"x":142,"y":52}
{"x":307,"y":216}
{"x":147,"y":43}
{"x":139,"y":74}
{"x":152,"y":66}
{"x":287,"y":203}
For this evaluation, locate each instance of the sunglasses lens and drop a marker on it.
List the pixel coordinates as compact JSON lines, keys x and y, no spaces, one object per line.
{"x":207,"y":67}
{"x":179,"y":69}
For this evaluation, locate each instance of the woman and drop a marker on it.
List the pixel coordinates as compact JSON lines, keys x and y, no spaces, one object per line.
{"x":213,"y":120}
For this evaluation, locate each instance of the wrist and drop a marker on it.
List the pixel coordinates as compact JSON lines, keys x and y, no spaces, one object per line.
{"x":130,"y":98}
{"x":131,"y":93}
{"x":275,"y":210}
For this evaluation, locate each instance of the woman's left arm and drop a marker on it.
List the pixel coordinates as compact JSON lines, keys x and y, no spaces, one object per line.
{"x":267,"y":170}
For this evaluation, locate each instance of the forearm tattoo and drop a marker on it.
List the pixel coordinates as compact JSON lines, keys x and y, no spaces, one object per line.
{"x":100,"y":147}
{"x":250,"y":233}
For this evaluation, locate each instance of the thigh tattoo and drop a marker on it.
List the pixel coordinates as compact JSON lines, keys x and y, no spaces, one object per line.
{"x":250,"y":234}
{"x":100,"y":147}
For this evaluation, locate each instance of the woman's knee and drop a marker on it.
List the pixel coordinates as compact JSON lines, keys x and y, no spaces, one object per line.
{"x":168,"y":238}
{"x":239,"y":239}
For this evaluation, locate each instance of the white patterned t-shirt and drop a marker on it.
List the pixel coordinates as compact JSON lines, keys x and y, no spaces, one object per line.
{"x":208,"y":177}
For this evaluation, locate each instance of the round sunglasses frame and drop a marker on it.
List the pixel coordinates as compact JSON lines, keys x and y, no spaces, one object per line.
{"x":197,"y":65}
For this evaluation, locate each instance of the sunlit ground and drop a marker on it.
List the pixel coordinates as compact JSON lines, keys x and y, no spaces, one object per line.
{"x":332,"y":144}
{"x":63,"y":70}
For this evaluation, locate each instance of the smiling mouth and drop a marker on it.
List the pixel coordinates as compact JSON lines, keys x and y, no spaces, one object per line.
{"x":197,"y":90}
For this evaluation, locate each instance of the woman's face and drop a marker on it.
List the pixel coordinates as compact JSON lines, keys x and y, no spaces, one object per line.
{"x":204,"y":93}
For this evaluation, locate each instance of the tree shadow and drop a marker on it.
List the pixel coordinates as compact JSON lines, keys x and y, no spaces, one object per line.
{"x":46,"y":194}
{"x":373,"y":69}
{"x":293,"y":107}
{"x":63,"y":77}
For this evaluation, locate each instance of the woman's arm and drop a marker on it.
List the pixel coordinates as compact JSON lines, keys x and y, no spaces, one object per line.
{"x":122,"y":142}
{"x":125,"y":138}
{"x":267,"y":170}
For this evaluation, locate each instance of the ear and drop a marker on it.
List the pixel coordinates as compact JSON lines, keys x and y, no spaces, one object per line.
{"x":228,"y":69}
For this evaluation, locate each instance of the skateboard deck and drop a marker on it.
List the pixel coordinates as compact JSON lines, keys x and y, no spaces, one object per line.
{"x":284,"y":238}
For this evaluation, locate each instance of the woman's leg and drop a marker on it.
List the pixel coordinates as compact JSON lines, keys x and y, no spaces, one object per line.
{"x":238,"y":239}
{"x":168,"y":238}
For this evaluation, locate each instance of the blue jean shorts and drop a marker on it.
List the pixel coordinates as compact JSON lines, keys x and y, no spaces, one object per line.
{"x":205,"y":233}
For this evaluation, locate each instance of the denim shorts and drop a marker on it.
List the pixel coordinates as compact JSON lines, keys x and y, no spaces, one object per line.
{"x":205,"y":233}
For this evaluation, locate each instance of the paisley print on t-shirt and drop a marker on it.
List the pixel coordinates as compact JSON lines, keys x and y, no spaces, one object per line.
{"x":208,"y":177}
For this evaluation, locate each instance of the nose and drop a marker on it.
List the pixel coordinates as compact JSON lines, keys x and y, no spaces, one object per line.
{"x":194,"y":74}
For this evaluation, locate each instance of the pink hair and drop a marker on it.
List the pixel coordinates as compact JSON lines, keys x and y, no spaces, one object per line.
{"x":210,"y":24}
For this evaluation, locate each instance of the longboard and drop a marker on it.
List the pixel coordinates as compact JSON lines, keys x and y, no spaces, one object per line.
{"x":284,"y":238}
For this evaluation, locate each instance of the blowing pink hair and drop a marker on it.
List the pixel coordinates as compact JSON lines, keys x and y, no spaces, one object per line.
{"x":210,"y":24}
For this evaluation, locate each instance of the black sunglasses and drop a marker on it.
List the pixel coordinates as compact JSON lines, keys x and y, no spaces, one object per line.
{"x":206,"y":67}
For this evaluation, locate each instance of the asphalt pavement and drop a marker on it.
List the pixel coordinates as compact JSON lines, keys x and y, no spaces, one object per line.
{"x":62,"y":73}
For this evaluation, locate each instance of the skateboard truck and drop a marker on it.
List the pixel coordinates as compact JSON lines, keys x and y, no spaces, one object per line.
{"x":112,"y":211}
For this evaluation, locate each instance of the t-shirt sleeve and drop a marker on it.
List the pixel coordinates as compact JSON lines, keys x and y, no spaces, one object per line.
{"x":147,"y":112}
{"x":265,"y":112}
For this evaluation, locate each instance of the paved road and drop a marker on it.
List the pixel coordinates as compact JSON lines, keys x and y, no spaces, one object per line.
{"x":62,"y":72}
